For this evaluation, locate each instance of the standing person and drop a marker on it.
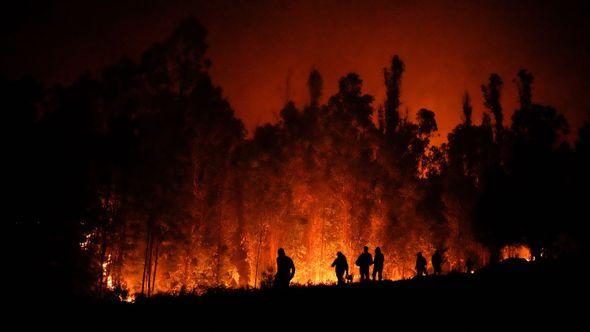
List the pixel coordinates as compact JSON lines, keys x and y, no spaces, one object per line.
{"x":420,"y":265}
{"x":437,"y":261}
{"x":364,"y":261}
{"x":341,"y":267}
{"x":378,"y":264}
{"x":285,"y":270}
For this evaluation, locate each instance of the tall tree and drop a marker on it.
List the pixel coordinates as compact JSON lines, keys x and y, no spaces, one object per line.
{"x":492,"y":94}
{"x":315,"y":84}
{"x":524,"y":82}
{"x":393,"y":78}
{"x":467,"y":109}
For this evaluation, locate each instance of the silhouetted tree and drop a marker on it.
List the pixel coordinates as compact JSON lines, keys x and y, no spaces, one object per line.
{"x":491,"y":94}
{"x":315,"y":84}
{"x":145,"y":171}
{"x":467,"y":109}
{"x":538,"y":164}
{"x":524,"y":82}
{"x":350,"y":99}
{"x":393,"y":77}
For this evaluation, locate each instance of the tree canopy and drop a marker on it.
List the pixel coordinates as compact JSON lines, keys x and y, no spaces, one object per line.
{"x":142,"y":179}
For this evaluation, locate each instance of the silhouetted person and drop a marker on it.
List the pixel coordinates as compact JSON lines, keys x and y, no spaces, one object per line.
{"x":420,"y":265}
{"x":469,"y":265}
{"x":364,"y":261}
{"x":285,"y":270}
{"x":378,"y":264}
{"x":341,"y":266}
{"x":437,"y":261}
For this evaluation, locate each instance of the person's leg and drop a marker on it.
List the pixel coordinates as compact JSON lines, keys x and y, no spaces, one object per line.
{"x":278,"y":283}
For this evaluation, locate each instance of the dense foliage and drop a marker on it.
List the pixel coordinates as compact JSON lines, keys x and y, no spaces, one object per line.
{"x":142,"y":179}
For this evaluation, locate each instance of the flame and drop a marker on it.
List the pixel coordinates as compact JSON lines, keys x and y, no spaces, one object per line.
{"x":106,"y":275}
{"x":318,"y":225}
{"x":516,"y":251}
{"x":313,"y":266}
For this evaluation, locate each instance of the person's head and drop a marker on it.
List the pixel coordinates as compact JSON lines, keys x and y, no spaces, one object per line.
{"x":377,"y":250}
{"x":366,"y":249}
{"x":419,"y":253}
{"x":436,"y":251}
{"x":281,"y":252}
{"x":339,"y":254}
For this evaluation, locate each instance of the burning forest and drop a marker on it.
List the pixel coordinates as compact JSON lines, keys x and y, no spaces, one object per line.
{"x":142,"y":180}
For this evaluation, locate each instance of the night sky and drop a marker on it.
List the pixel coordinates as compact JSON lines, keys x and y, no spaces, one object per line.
{"x":263,"y":51}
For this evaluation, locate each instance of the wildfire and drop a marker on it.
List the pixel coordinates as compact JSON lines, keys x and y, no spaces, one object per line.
{"x":308,"y":272}
{"x":106,"y":275}
{"x":312,"y":260}
{"x":516,"y":251}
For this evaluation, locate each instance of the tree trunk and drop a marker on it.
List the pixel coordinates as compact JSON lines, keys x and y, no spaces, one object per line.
{"x":219,"y":250}
{"x":149,"y":265}
{"x":258,"y":255}
{"x":240,"y":253}
{"x":145,"y":260}
{"x":118,"y":263}
{"x":155,"y":267}
{"x":103,"y":251}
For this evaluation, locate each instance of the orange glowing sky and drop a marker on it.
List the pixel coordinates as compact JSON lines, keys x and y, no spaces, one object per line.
{"x":263,"y":51}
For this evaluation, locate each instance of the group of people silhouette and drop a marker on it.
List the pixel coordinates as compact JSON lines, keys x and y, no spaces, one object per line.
{"x":437,"y":261}
{"x":286,"y":267}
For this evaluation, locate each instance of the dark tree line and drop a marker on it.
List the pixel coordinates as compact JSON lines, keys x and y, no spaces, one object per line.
{"x":142,"y":179}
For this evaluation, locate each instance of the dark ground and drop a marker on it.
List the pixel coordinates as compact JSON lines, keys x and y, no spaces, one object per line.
{"x":512,"y":295}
